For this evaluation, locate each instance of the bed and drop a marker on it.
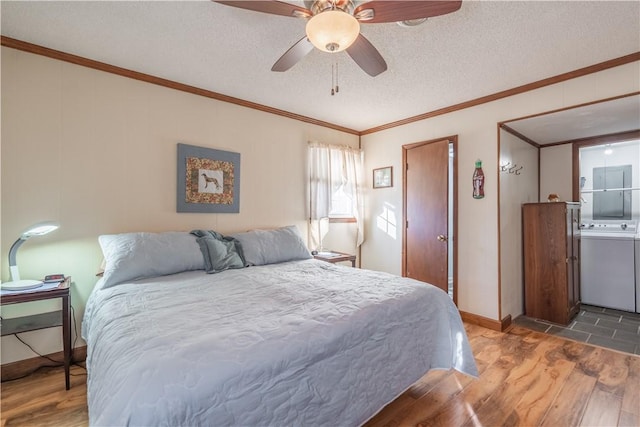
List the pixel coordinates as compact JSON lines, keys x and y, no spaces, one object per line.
{"x":294,"y":342}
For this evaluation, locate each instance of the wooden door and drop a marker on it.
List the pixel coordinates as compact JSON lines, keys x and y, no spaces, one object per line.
{"x":426,"y":212}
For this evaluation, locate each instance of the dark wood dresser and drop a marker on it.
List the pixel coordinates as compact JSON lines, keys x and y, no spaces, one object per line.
{"x":551,"y":249}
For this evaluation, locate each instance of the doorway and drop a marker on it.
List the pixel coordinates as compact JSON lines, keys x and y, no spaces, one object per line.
{"x":429,"y":207}
{"x":608,"y":180}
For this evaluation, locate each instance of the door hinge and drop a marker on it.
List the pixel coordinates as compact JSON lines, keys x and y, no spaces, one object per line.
{"x":406,"y":225}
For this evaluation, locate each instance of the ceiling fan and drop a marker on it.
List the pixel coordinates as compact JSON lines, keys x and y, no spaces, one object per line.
{"x":334,"y":25}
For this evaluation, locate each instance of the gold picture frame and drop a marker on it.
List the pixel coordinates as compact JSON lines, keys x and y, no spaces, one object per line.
{"x":383,"y":177}
{"x":208,"y":180}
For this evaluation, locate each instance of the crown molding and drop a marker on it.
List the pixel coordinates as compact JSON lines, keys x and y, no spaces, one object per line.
{"x":511,"y":92}
{"x":101,"y":66}
{"x":85,"y":62}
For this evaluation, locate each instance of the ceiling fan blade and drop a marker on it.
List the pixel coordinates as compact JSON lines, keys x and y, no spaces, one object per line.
{"x":270,"y":6}
{"x":367,"y":56}
{"x":394,"y":11}
{"x":293,"y":55}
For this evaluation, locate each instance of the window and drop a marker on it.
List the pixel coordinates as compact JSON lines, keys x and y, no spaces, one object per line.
{"x":341,"y":205}
{"x":335,"y":174}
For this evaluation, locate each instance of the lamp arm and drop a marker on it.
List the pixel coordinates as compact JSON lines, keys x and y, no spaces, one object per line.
{"x":13,"y":266}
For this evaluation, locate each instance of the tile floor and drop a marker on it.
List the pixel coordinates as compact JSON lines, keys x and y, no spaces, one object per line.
{"x":615,"y":329}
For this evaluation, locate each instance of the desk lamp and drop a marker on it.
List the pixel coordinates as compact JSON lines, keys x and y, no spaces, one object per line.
{"x":16,"y":284}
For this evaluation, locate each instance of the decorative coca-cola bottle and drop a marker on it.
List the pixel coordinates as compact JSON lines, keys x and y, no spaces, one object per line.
{"x":478,"y":181}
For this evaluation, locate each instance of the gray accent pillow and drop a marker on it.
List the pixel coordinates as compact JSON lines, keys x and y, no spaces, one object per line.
{"x":261,"y":247}
{"x":132,"y":256}
{"x":219,"y":252}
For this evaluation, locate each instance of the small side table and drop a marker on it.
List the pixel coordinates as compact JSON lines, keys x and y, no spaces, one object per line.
{"x":43,"y":320}
{"x":334,"y":256}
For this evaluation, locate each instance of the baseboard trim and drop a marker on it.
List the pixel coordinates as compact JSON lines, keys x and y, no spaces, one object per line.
{"x":20,"y":368}
{"x":496,"y":325}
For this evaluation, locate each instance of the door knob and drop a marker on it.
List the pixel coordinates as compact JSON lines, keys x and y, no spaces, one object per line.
{"x":442,"y":238}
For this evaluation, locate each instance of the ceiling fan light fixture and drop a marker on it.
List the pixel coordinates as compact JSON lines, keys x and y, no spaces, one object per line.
{"x":333,"y":30}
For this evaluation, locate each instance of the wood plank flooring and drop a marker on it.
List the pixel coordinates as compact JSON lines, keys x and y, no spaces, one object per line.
{"x":526,"y":379}
{"x":41,"y":400}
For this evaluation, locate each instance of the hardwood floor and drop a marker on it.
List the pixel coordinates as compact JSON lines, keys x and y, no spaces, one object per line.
{"x":41,"y":400}
{"x":526,"y":379}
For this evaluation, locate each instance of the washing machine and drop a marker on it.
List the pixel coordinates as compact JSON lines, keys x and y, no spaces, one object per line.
{"x":609,"y":251}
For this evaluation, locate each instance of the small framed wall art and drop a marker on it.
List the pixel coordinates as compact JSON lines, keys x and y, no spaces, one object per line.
{"x":383,"y":177}
{"x":208,"y":180}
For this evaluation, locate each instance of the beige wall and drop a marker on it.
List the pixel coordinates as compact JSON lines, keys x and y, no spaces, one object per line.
{"x":515,"y":189}
{"x":556,"y":168}
{"x":97,"y":153}
{"x":478,"y":264}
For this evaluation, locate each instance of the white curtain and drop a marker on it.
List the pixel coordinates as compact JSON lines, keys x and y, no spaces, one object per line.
{"x":333,"y":168}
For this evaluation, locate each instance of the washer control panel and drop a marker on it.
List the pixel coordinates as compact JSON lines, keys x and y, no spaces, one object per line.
{"x":610,"y":226}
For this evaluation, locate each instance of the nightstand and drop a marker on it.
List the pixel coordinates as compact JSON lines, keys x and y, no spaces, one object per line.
{"x":52,"y":319}
{"x":334,"y":256}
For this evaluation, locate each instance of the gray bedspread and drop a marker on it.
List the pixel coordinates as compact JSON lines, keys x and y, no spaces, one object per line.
{"x":299,"y":343}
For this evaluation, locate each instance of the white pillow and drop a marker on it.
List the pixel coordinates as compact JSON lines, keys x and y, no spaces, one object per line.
{"x":262,"y":247}
{"x":132,"y":256}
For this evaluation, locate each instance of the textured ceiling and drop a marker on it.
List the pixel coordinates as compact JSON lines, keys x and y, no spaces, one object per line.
{"x":602,"y":118}
{"x":483,"y":48}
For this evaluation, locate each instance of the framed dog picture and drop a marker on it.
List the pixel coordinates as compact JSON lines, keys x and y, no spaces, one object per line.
{"x":208,"y":180}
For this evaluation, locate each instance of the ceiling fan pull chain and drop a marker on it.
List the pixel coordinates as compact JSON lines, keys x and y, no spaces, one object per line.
{"x":332,"y":81}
